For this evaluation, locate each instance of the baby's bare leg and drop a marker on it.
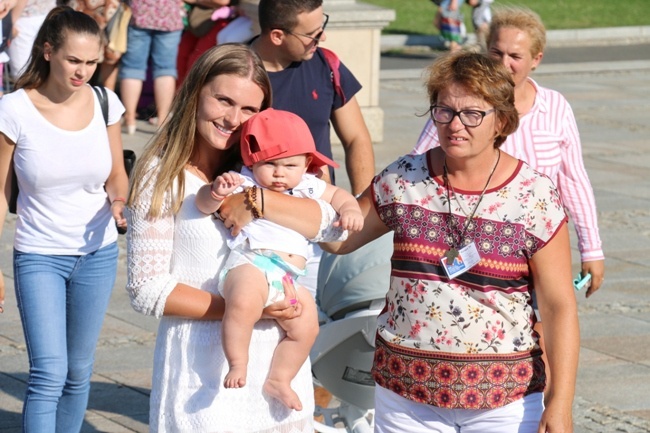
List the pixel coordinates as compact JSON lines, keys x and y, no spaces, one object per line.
{"x":245,"y":291}
{"x":292,"y":351}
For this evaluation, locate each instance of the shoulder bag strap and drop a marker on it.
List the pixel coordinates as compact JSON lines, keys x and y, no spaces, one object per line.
{"x":102,"y":96}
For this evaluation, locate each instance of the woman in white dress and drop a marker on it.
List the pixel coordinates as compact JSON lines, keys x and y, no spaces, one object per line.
{"x":175,"y":254}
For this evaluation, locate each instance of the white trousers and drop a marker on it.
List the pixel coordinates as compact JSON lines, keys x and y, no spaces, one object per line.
{"x":396,"y":414}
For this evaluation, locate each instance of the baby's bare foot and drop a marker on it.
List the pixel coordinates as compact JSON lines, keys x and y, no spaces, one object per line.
{"x":283,"y":392}
{"x":236,"y":377}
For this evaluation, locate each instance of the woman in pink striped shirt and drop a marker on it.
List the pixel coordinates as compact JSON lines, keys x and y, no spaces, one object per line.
{"x":547,"y":137}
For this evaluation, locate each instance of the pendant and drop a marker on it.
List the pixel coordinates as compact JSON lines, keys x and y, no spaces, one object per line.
{"x":451,"y":255}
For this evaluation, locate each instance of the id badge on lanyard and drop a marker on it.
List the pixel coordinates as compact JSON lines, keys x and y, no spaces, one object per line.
{"x":457,"y":263}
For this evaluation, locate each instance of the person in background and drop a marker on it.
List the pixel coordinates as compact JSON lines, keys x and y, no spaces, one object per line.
{"x":175,"y":254}
{"x":291,"y":31}
{"x":239,"y":29}
{"x":6,"y":25}
{"x":27,"y":15}
{"x":302,"y":80}
{"x":154,"y":33}
{"x":6,"y":6}
{"x":72,"y":182}
{"x":475,"y":232}
{"x":547,"y":137}
{"x":449,"y":21}
{"x":195,"y":42}
{"x":481,"y":18}
{"x":5,"y":35}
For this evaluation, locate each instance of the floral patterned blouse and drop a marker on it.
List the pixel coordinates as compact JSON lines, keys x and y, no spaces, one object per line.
{"x":467,"y":342}
{"x":163,"y":15}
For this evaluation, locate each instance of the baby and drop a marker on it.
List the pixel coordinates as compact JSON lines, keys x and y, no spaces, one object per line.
{"x":278,"y":150}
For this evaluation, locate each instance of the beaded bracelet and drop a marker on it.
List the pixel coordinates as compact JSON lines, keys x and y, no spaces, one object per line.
{"x":251,"y":199}
{"x":257,"y":212}
{"x":262,"y":197}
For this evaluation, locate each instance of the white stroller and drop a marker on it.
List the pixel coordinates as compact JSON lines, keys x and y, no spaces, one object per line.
{"x":351,"y":293}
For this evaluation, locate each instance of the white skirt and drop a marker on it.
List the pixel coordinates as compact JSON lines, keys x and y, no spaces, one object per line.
{"x":188,"y":394}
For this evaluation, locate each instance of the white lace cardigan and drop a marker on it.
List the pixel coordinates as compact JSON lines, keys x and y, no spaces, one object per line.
{"x":189,"y":365}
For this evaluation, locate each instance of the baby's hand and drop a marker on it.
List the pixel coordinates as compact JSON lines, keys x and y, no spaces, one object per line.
{"x":226,"y":183}
{"x":351,"y":220}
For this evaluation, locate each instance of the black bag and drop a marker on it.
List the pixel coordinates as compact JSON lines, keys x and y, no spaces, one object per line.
{"x":129,"y":155}
{"x":129,"y":161}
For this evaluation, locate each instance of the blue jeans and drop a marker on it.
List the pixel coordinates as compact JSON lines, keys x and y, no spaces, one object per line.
{"x":62,"y":301}
{"x":163,"y":47}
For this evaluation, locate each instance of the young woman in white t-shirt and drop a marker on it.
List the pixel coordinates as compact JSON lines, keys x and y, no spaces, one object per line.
{"x":73,"y":184}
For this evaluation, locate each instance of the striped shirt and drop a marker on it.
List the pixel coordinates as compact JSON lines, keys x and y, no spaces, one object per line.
{"x":548,"y":140}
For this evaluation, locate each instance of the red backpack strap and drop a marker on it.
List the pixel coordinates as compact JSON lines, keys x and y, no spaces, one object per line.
{"x":333,"y":62}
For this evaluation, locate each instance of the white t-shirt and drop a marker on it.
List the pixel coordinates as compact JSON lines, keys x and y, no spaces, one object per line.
{"x":62,"y":206}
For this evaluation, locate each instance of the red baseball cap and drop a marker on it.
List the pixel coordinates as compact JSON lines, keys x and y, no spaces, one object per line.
{"x":273,"y":134}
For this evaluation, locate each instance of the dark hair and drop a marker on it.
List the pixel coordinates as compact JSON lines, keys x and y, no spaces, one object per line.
{"x":58,"y":24}
{"x":481,"y":76}
{"x":283,"y":14}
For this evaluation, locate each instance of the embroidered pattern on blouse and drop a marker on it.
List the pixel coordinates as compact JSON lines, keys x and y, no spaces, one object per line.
{"x":457,"y":383}
{"x":480,"y":319}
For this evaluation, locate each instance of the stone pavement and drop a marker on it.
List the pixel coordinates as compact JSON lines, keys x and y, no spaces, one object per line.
{"x":611,"y":107}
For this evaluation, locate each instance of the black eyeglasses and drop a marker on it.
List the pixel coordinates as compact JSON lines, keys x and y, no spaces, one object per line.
{"x":319,"y":35}
{"x":470,"y":118}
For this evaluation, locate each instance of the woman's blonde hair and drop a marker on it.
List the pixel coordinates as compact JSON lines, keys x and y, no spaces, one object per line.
{"x":174,"y":143}
{"x":482,"y":77}
{"x":521,"y":18}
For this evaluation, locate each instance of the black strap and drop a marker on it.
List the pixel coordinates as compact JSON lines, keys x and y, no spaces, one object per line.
{"x":13,"y":198}
{"x":102,"y":96}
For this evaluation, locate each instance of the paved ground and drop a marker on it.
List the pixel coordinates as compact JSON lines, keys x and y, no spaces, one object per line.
{"x":610,"y":97}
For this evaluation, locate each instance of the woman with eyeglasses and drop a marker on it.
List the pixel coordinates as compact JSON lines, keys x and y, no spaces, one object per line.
{"x":547,"y":137}
{"x":474,"y":231}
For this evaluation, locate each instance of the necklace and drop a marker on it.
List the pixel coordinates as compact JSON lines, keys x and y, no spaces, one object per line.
{"x":452,"y":253}
{"x":198,"y":173}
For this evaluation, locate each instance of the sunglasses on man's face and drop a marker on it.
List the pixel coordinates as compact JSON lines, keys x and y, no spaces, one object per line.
{"x":315,"y":38}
